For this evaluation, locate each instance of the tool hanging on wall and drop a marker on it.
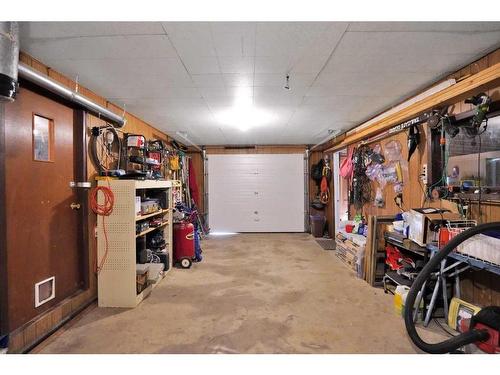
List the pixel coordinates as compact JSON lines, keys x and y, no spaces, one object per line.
{"x":326,"y":174}
{"x":413,"y":140}
{"x":361,"y":192}
{"x":469,"y":122}
{"x":105,"y":150}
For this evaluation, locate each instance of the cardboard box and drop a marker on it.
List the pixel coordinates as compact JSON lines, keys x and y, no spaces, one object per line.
{"x":420,"y":220}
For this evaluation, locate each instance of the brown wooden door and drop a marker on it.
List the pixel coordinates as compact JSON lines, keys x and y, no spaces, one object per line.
{"x":42,"y":228}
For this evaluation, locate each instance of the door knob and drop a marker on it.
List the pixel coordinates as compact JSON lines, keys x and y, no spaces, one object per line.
{"x":75,"y":206}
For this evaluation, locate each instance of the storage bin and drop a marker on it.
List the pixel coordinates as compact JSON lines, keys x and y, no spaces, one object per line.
{"x":317,"y":225}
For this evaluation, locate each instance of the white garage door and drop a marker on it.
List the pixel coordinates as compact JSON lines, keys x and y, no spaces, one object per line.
{"x":256,"y":193}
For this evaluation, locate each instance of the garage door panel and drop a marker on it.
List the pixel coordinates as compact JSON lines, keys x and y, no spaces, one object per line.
{"x":256,"y":193}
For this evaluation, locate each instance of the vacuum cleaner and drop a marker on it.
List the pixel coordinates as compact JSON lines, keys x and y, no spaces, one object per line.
{"x":484,"y":330}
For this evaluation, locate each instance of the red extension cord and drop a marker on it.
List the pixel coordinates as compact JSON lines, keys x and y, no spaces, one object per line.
{"x":103,"y":210}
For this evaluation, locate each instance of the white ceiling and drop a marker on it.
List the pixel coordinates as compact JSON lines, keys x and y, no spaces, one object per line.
{"x":182,"y":76}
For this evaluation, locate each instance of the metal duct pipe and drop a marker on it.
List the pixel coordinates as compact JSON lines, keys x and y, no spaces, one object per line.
{"x":307,"y":223}
{"x":9,"y":58}
{"x":53,"y":86}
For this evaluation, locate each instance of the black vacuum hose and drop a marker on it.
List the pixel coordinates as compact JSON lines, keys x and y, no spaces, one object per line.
{"x":465,"y":338}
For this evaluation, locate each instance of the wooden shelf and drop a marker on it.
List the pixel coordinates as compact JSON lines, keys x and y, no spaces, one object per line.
{"x":117,"y":281}
{"x":144,"y":293}
{"x":142,"y":217}
{"x":150,"y":230}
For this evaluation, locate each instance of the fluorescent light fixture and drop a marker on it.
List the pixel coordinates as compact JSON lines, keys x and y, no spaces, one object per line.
{"x":243,"y":115}
{"x":184,"y":136}
{"x":431,"y":91}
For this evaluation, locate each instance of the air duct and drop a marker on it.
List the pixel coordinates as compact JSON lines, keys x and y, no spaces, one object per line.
{"x":9,"y":58}
{"x":51,"y":85}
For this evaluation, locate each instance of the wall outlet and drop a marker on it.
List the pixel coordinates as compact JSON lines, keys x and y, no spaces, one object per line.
{"x":423,"y":174}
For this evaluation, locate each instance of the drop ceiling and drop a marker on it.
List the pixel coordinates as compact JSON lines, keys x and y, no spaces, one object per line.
{"x":182,"y":77}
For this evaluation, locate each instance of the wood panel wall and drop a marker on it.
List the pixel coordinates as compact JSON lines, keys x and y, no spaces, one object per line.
{"x":314,"y":158}
{"x":482,"y":288}
{"x":413,"y":193}
{"x":24,"y":337}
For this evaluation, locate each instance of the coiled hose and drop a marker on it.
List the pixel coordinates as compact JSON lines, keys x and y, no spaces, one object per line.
{"x":455,"y":342}
{"x":103,"y":210}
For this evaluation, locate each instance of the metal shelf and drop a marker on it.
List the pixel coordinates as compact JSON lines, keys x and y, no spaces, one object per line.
{"x":473,"y":262}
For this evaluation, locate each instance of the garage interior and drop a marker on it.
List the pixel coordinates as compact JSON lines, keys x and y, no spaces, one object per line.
{"x":266,"y":187}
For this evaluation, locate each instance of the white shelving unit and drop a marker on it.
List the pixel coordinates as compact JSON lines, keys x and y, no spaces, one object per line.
{"x":117,"y":279}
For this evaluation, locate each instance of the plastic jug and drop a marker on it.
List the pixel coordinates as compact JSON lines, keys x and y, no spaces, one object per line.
{"x":399,"y":298}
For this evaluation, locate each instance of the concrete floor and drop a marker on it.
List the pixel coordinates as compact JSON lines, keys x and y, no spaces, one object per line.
{"x":253,"y":293}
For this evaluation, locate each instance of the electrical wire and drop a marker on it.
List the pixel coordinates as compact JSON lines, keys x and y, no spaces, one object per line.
{"x":103,"y":210}
{"x":479,"y":177}
{"x":101,"y":152}
{"x":438,"y":323}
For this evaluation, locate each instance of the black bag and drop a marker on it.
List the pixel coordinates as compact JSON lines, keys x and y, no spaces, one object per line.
{"x":317,"y":171}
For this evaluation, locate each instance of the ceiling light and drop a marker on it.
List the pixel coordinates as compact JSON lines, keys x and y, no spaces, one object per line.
{"x":287,"y":84}
{"x":243,"y":115}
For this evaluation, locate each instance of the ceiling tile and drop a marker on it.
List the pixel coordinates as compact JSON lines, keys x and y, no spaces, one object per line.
{"x":231,"y":64}
{"x":424,"y":26}
{"x":208,"y":80}
{"x":190,"y":44}
{"x":234,"y":44}
{"x":340,"y":73}
{"x":238,"y":80}
{"x":51,"y":30}
{"x":201,"y":65}
{"x":102,"y":47}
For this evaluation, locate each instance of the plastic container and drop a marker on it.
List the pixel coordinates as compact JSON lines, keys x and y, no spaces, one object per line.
{"x":317,"y":225}
{"x":349,"y":228}
{"x":400,"y":294}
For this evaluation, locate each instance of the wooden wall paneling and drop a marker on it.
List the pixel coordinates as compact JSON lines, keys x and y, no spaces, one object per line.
{"x":413,"y":190}
{"x":495,"y":290}
{"x":314,"y":158}
{"x":3,"y":235}
{"x":483,"y":80}
{"x":369,"y":251}
{"x":134,"y":124}
{"x":467,"y":286}
{"x":24,"y":337}
{"x":482,"y":289}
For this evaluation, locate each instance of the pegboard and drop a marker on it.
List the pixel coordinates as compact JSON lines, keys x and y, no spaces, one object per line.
{"x":117,"y":279}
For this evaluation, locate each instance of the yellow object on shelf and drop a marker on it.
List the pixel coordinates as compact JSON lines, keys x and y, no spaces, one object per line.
{"x":460,"y":313}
